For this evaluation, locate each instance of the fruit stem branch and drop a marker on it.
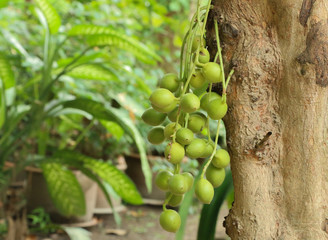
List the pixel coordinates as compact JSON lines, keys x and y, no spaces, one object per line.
{"x":167,"y":201}
{"x":205,"y":20}
{"x":214,"y":151}
{"x":219,"y":51}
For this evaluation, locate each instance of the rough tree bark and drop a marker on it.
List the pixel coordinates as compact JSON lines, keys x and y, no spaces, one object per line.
{"x":278,"y":116}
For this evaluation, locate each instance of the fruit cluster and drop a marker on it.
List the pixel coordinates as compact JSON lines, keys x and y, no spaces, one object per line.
{"x":189,"y":103}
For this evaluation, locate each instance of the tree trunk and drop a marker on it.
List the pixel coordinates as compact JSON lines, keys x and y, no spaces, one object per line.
{"x":278,"y":116}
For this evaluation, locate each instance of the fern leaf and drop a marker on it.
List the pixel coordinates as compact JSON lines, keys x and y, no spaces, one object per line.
{"x":121,"y":183}
{"x":51,"y":15}
{"x":65,"y":191}
{"x":93,"y":72}
{"x":101,"y":112}
{"x":6,"y":73}
{"x":101,"y":36}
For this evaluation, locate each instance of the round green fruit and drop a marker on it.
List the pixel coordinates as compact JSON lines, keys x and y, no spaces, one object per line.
{"x":166,"y":109}
{"x":184,"y":136}
{"x":197,"y":80}
{"x":170,"y":82}
{"x":173,"y":115}
{"x":208,"y":150}
{"x":196,"y":148}
{"x":156,"y":135}
{"x":174,"y":153}
{"x":221,"y":159}
{"x":196,"y":42}
{"x":178,"y":184}
{"x":152,"y":117}
{"x":162,"y":180}
{"x":204,"y":191}
{"x":189,"y":179}
{"x":217,"y":109}
{"x":207,"y":98}
{"x":170,"y":220}
{"x":175,"y":200}
{"x":169,"y":129}
{"x":189,"y":103}
{"x":196,"y":122}
{"x":204,"y":56}
{"x":215,"y":175}
{"x":162,"y":98}
{"x":212,"y":72}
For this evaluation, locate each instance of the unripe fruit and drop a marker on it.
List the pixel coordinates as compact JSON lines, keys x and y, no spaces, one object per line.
{"x":196,"y":42}
{"x":196,"y":148}
{"x":207,"y":98}
{"x":162,"y":98}
{"x":152,"y":117}
{"x":204,"y":56}
{"x":197,"y":122}
{"x":197,"y":80}
{"x":208,"y":150}
{"x":184,"y":136}
{"x":178,"y":184}
{"x":170,"y":220}
{"x":166,"y":109}
{"x":221,"y":159}
{"x":173,"y":115}
{"x":169,"y":81}
{"x":156,"y":135}
{"x":169,"y":129}
{"x":217,"y":109}
{"x":174,"y":153}
{"x":162,"y":180}
{"x":189,"y":103}
{"x":212,"y":72}
{"x":189,"y":178}
{"x":204,"y":191}
{"x":175,"y":200}
{"x":215,"y":175}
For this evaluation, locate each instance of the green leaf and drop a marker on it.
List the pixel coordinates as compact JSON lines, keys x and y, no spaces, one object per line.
{"x":93,"y":72}
{"x":113,"y":128}
{"x":2,"y":106}
{"x":209,"y":214}
{"x":51,"y":15}
{"x":6,"y":72}
{"x":102,"y":36}
{"x":101,"y":112}
{"x":121,"y":183}
{"x":4,"y":3}
{"x":65,"y":191}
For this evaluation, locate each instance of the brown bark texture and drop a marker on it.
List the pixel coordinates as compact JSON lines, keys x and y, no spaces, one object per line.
{"x":278,"y":115}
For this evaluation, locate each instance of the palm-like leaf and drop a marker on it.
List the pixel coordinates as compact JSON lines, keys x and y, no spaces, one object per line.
{"x":51,"y":15}
{"x":93,"y":72}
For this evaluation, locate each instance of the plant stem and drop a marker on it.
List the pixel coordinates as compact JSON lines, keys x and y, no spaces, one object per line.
{"x":81,"y":136}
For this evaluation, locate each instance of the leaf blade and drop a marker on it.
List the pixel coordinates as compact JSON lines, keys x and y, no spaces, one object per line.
{"x":51,"y":15}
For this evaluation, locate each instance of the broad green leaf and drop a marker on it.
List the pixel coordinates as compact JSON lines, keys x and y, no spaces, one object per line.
{"x":101,"y":36}
{"x":101,"y":112}
{"x":6,"y":72}
{"x":2,"y":105}
{"x":210,"y":212}
{"x":113,"y":128}
{"x":120,"y":182}
{"x":65,"y":191}
{"x":51,"y":15}
{"x":93,"y":72}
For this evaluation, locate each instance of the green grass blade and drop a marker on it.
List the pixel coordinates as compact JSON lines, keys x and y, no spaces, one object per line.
{"x":51,"y":15}
{"x":209,"y":215}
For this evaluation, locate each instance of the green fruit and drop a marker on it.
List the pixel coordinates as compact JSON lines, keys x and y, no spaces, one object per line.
{"x":204,"y":191}
{"x":215,"y":175}
{"x":184,"y":136}
{"x":196,"y":122}
{"x":162,"y":98}
{"x":189,"y":179}
{"x":169,"y":81}
{"x":162,"y":180}
{"x":221,"y":159}
{"x":152,"y":117}
{"x":175,"y":200}
{"x":212,"y":72}
{"x":169,"y":129}
{"x":208,"y":150}
{"x":166,"y":109}
{"x":189,"y":103}
{"x":178,"y":184}
{"x":196,"y":42}
{"x":197,"y":80}
{"x":204,"y":56}
{"x":170,"y":220}
{"x":207,"y":98}
{"x":173,"y":115}
{"x":217,"y":109}
{"x":174,"y":153}
{"x":196,"y":148}
{"x":156,"y":135}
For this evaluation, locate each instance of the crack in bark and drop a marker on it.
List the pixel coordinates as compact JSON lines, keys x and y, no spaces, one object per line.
{"x":306,"y":11}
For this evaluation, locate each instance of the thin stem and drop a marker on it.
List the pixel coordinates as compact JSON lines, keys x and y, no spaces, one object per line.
{"x":219,"y":51}
{"x":205,"y":20}
{"x":81,"y":136}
